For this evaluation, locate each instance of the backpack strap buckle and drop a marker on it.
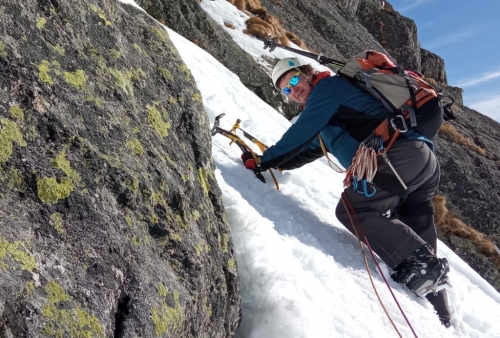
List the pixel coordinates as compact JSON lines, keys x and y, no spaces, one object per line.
{"x":399,"y":122}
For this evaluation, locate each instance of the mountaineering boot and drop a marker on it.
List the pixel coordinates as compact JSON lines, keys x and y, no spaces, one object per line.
{"x":422,"y":272}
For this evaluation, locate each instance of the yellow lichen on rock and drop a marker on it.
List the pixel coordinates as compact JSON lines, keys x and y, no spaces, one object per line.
{"x":43,"y":72}
{"x":100,"y":14}
{"x":160,"y":33}
{"x":64,"y":322}
{"x":40,"y":23}
{"x":135,"y":147}
{"x":154,"y":219}
{"x":224,"y":240}
{"x":3,"y":51}
{"x":62,"y":163}
{"x":161,"y":290}
{"x":167,"y":319}
{"x":196,"y":97}
{"x":155,"y":120}
{"x":172,"y":162}
{"x":202,"y":177}
{"x":176,"y":237}
{"x":8,"y":135}
{"x":135,"y":74}
{"x":138,"y":48}
{"x":207,"y":308}
{"x":98,"y":102}
{"x":77,"y":79}
{"x":30,"y":287}
{"x":59,"y":49}
{"x":182,"y":221}
{"x":128,"y":219}
{"x":56,"y":293}
{"x":166,"y":73}
{"x":18,"y":252}
{"x":123,"y":80}
{"x":116,"y":53}
{"x":186,"y":71}
{"x":201,"y":247}
{"x":14,"y":178}
{"x":49,"y":191}
{"x":57,"y":220}
{"x":16,"y":112}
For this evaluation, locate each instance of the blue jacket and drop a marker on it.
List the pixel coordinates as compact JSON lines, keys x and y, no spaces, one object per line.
{"x":343,"y":114}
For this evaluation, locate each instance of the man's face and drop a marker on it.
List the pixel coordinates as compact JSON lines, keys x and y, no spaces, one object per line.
{"x":300,"y":92}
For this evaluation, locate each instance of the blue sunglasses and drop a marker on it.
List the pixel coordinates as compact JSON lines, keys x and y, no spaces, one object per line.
{"x":295,"y":79}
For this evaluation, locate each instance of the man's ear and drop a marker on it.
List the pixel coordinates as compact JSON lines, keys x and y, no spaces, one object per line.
{"x":308,"y":78}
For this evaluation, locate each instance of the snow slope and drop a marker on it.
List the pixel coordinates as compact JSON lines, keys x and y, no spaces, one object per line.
{"x":301,"y":272}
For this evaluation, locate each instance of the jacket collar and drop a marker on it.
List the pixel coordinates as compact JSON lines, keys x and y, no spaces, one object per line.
{"x":316,"y":78}
{"x":320,"y":76}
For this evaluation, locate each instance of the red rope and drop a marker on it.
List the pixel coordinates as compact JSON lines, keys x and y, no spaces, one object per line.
{"x":351,"y":211}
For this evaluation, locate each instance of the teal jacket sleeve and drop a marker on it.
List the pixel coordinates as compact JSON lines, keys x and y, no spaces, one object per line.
{"x":307,"y":155}
{"x":321,"y":105}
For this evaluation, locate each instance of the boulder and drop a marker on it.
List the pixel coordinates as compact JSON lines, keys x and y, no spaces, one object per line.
{"x":111,"y":220}
{"x":470,"y":171}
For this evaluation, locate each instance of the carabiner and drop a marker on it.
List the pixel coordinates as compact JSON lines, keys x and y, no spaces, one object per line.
{"x":355,"y":185}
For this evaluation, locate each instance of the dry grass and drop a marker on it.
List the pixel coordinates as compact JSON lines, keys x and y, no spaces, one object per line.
{"x":265,"y":24}
{"x":449,"y":132}
{"x":383,"y":40}
{"x":431,"y":81}
{"x":449,"y":225}
{"x":229,"y":25}
{"x":295,"y":39}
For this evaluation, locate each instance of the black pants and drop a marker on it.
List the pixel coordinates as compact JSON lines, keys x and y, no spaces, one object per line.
{"x":411,"y":224}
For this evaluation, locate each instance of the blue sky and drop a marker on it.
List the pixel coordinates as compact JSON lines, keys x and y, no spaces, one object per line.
{"x":465,"y":34}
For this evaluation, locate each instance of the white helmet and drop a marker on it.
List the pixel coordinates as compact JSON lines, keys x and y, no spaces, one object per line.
{"x":283,"y":66}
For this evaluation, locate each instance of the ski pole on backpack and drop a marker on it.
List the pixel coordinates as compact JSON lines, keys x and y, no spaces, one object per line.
{"x":273,"y":43}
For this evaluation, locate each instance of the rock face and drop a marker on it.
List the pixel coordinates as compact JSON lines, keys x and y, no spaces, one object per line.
{"x":111,"y":221}
{"x":188,"y":19}
{"x":469,"y":180}
{"x":395,"y":32}
{"x":433,"y":66}
{"x":455,"y":93}
{"x":326,"y":26}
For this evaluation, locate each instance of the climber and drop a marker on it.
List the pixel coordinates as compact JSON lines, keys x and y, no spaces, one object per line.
{"x":332,"y":120}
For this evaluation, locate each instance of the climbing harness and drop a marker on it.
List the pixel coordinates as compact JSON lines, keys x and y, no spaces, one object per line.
{"x":231,"y":134}
{"x":361,"y":236}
